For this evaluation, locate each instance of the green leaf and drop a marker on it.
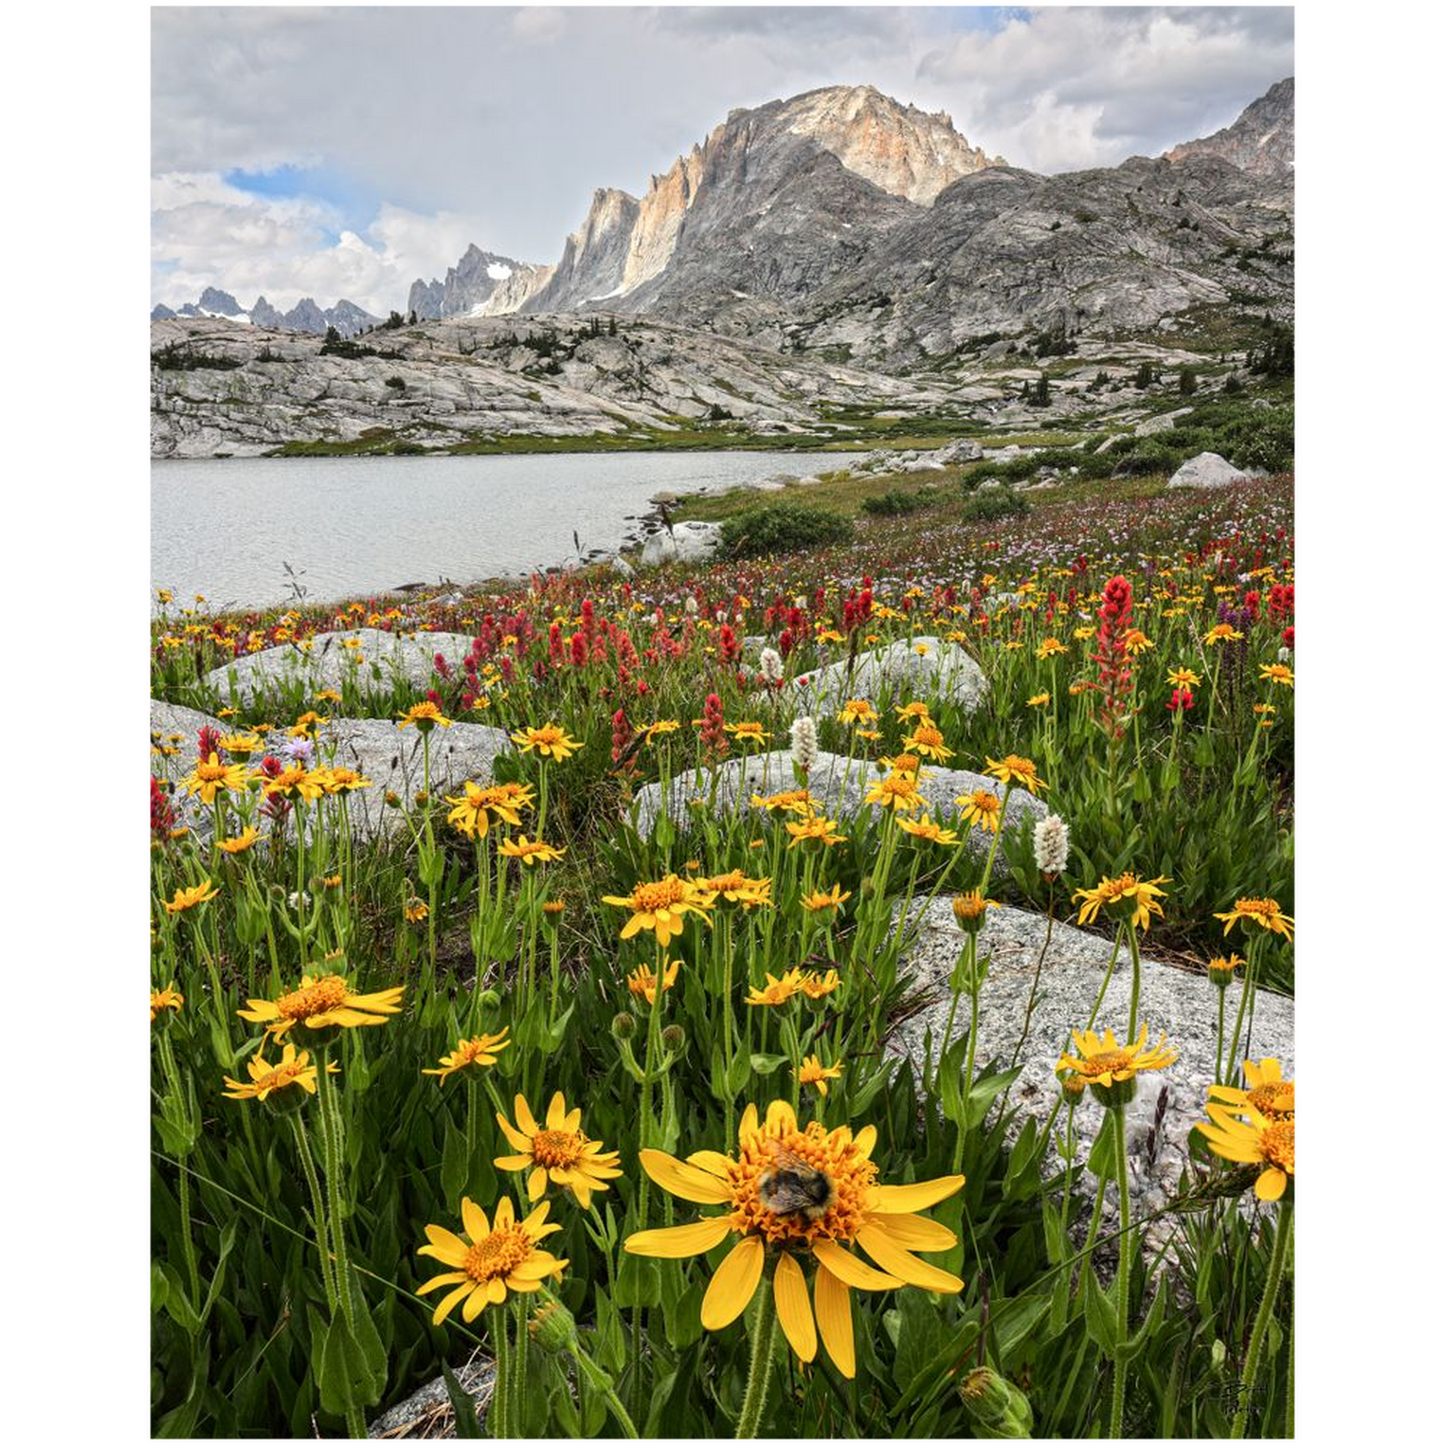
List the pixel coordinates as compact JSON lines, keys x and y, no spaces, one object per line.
{"x":160,"y":1286}
{"x":1136,"y":1342}
{"x":463,"y":1407}
{"x":984,"y":1091}
{"x":1101,"y":1156}
{"x":455,"y":1165}
{"x":1099,"y":1316}
{"x":766,"y":1064}
{"x":638,"y":1283}
{"x":177,"y":1303}
{"x":610,"y":1351}
{"x":1017,"y":1324}
{"x":345,"y":1377}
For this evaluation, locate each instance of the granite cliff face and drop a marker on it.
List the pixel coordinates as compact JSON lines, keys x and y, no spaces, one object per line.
{"x":1260,"y":142}
{"x":474,"y":285}
{"x":846,"y":147}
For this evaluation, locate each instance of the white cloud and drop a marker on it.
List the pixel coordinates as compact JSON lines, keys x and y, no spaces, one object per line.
{"x":205,"y":232}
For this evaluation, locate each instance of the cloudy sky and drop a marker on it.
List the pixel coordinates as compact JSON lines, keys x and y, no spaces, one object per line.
{"x":344,"y":152}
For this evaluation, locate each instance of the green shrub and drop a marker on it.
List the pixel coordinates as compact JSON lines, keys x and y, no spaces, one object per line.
{"x":782,"y":527}
{"x":896,"y":503}
{"x":993,"y":505}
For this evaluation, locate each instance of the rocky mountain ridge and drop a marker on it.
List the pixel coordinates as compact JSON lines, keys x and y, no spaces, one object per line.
{"x":347,"y":317}
{"x":1260,"y":142}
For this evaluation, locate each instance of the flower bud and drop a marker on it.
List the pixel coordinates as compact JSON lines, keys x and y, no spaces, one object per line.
{"x":623,"y":1027}
{"x":551,"y":1325}
{"x":998,"y":1409}
{"x":392,"y":799}
{"x":674,"y":1038}
{"x":1117,"y":1095}
{"x":490,"y":1000}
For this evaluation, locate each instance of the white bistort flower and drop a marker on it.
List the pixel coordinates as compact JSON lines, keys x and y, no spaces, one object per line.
{"x":804,"y":734}
{"x":1051,"y":844}
{"x":770,"y":664}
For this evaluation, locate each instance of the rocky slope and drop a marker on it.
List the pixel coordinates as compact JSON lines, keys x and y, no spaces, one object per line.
{"x":479,"y":283}
{"x":248,"y":391}
{"x":1260,"y":142}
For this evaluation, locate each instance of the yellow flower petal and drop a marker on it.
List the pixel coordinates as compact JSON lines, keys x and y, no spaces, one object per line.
{"x":914,"y":1233}
{"x":897,"y":1260}
{"x":835,"y":1320}
{"x":683,"y":1180}
{"x":682,"y":1241}
{"x":474,"y":1221}
{"x":849,"y":1268}
{"x":1270,"y":1184}
{"x":450,"y":1302}
{"x":733,"y":1284}
{"x":909,"y":1198}
{"x":795,"y":1314}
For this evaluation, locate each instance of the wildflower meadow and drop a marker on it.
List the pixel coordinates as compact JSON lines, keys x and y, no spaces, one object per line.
{"x":586,"y":1067}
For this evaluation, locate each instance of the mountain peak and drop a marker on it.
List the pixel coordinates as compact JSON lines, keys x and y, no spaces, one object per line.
{"x":1260,"y":142}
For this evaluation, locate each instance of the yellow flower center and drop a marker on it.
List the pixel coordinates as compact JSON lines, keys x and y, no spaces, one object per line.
{"x":1110,"y":1062}
{"x":317,"y":998}
{"x":546,"y":736}
{"x":1257,"y":907}
{"x":279,"y":1077}
{"x":557,"y":1148}
{"x":985,"y":802}
{"x":1277,"y":1145}
{"x":1274,"y":1100}
{"x":655,"y":897}
{"x":498,"y":1254}
{"x":927,"y":736}
{"x":212,"y":772}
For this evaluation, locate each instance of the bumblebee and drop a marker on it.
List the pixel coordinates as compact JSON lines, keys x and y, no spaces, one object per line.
{"x":791,"y":1186}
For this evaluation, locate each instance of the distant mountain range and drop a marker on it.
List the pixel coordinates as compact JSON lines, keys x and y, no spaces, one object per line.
{"x":843,"y":223}
{"x":346,"y":316}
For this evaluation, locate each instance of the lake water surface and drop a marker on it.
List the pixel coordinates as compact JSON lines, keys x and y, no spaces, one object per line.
{"x":355,"y":525}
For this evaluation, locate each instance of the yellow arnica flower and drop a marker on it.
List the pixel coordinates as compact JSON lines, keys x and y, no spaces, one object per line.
{"x":1125,"y":897}
{"x":480,"y":1052}
{"x":243,"y":743}
{"x":1276,"y":672}
{"x":490,"y":1259}
{"x":340,"y":780}
{"x":1105,"y":1064}
{"x":927,"y":741}
{"x":857,"y":710}
{"x":643,"y":981}
{"x":747,"y":732}
{"x":1183,"y":677}
{"x":813,"y":1071}
{"x":1264,"y":913}
{"x":1269,"y":1093}
{"x":818,"y":985}
{"x":795,"y":800}
{"x":737,"y":887}
{"x":815,"y":830}
{"x":898,"y":791}
{"x":911,"y":710}
{"x":305,"y":783}
{"x":930,"y":832}
{"x":213,"y":776}
{"x":981,"y":808}
{"x":243,"y":840}
{"x":267,"y":1079}
{"x":1221,"y":969}
{"x":797,"y":1193}
{"x":191,"y":897}
{"x":1222,"y":633}
{"x":1039,"y":699}
{"x":776,"y":991}
{"x":423,"y":716}
{"x":415,"y":911}
{"x":662,"y":907}
{"x":1014,"y":769}
{"x":322,"y":1003}
{"x":819,"y":901}
{"x":1049,"y":647}
{"x":550,"y":741}
{"x":529,"y":852}
{"x":1255,"y":1139}
{"x":659,"y":729}
{"x":1135,"y":642}
{"x":166,"y":998}
{"x":560,"y":1151}
{"x":472,"y":813}
{"x":970,"y":909}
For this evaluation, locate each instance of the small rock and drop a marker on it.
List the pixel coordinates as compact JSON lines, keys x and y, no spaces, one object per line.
{"x":1209,"y":469}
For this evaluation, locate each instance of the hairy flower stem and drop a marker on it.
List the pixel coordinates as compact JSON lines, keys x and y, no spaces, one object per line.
{"x":499,"y":1411}
{"x":1104,"y":987}
{"x":1034,"y":987}
{"x":1134,"y":986}
{"x":318,"y":1209}
{"x":599,"y":1382}
{"x":519,"y":1365}
{"x":1284,"y":1228}
{"x":1219,"y":1042}
{"x":760,"y":1365}
{"x":1121,"y":1282}
{"x":1245,"y":1000}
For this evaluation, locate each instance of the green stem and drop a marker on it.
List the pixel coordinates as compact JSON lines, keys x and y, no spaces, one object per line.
{"x":1104,"y":987}
{"x":498,"y":1412}
{"x":318,"y":1209}
{"x":1284,"y":1227}
{"x":760,"y":1365}
{"x":603,"y":1386}
{"x":1134,"y":987}
{"x":1121,"y":1166}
